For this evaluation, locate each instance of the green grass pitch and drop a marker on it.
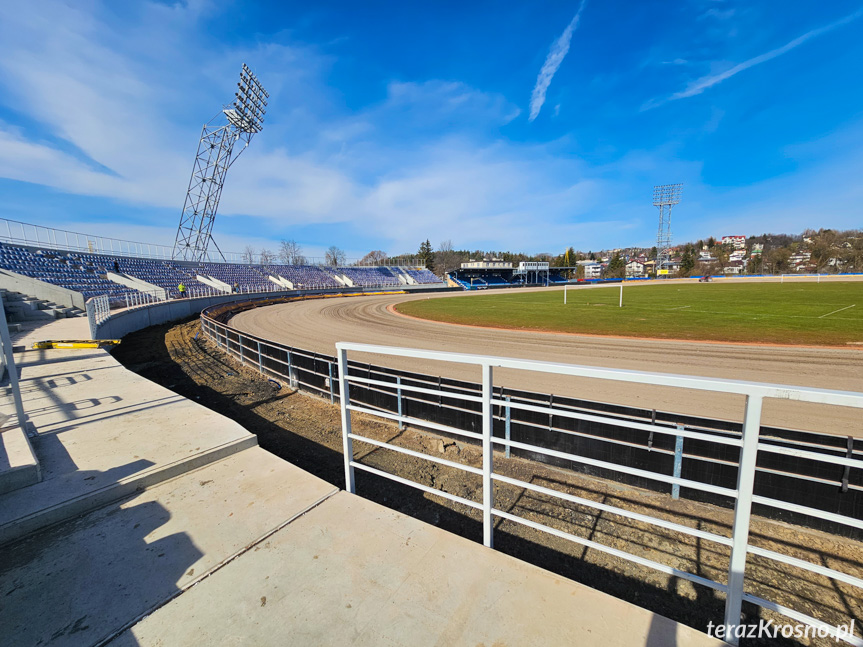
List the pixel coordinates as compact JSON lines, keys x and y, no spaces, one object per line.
{"x":779,"y":313}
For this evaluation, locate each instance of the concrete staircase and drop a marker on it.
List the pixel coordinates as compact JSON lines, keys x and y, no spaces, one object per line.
{"x":21,"y":307}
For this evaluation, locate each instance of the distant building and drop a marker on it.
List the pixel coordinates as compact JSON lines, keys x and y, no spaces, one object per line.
{"x":737,"y":242}
{"x":670,"y":267}
{"x":634,"y":268}
{"x":592,"y":269}
{"x":493,"y":264}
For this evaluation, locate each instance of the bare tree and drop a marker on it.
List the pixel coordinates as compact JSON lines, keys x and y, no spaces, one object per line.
{"x":267,"y":256}
{"x":446,"y":258}
{"x":291,"y":253}
{"x":334,"y":256}
{"x":249,"y":254}
{"x":374,"y":257}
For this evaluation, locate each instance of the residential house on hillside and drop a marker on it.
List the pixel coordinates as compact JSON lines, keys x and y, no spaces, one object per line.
{"x":737,"y":242}
{"x":634,"y":268}
{"x":592,"y":269}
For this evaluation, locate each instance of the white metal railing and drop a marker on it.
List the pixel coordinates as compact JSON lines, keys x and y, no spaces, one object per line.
{"x":7,"y":360}
{"x":261,"y":354}
{"x":22,"y":233}
{"x":748,"y":442}
{"x":98,"y":310}
{"x":140,"y":298}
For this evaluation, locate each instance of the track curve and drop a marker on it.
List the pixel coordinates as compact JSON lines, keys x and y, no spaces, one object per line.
{"x":318,"y":324}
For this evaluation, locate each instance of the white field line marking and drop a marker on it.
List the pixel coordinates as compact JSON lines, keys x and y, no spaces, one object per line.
{"x":839,"y":310}
{"x":679,"y":307}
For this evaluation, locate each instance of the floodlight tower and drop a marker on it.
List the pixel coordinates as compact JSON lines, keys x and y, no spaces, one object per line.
{"x":665,"y":196}
{"x":245,"y":118}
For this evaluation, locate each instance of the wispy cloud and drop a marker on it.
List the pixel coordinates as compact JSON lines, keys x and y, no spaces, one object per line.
{"x":701,"y":84}
{"x":555,"y":57}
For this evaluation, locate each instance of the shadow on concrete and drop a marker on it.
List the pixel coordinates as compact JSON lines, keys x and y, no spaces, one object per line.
{"x":105,"y":570}
{"x":116,"y":412}
{"x":56,"y":461}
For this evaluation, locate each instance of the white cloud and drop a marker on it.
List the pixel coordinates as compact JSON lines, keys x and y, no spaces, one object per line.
{"x":556,"y":54}
{"x":705,"y":82}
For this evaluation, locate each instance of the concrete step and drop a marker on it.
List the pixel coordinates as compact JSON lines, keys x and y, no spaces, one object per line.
{"x":29,"y":313}
{"x":18,"y":464}
{"x":84,"y":581}
{"x":103,"y":433}
{"x":22,"y":307}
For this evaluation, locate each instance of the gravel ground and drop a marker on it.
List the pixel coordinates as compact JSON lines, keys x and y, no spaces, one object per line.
{"x":305,"y":430}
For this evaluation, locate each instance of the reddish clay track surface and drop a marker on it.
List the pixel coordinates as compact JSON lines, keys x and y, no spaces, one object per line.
{"x":317,"y":324}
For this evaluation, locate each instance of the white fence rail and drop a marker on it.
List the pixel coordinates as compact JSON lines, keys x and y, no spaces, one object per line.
{"x":7,"y":362}
{"x":749,"y":444}
{"x":98,"y":310}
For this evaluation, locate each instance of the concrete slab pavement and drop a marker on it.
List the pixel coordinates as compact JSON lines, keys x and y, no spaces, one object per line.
{"x":351,"y":572}
{"x":83,"y":581}
{"x":103,"y":433}
{"x":33,"y":331}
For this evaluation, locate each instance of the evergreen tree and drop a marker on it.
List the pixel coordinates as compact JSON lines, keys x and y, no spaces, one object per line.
{"x":426,"y":255}
{"x":616,"y":266}
{"x":687,"y":262}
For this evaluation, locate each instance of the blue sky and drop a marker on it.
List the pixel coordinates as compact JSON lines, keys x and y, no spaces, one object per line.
{"x":497,"y":125}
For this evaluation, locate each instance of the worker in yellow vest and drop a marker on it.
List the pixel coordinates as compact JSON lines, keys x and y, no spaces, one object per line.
{"x":182,"y":289}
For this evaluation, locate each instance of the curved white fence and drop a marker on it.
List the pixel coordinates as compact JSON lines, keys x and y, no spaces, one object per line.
{"x":749,"y":445}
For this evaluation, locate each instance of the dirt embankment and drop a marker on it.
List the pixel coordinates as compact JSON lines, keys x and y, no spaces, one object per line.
{"x":306,"y":431}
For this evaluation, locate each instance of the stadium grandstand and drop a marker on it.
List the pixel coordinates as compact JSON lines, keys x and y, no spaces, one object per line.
{"x":118,"y":276}
{"x":496,"y":273}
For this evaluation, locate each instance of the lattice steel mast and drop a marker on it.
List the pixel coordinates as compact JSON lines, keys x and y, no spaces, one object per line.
{"x":245,"y":117}
{"x":665,"y":196}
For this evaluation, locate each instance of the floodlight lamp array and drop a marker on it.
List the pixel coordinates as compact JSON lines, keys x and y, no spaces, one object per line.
{"x":666,"y":194}
{"x":250,"y":103}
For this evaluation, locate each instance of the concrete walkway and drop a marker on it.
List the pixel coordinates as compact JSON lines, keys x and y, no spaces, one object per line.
{"x":159,"y":522}
{"x":351,"y":572}
{"x":101,"y":433}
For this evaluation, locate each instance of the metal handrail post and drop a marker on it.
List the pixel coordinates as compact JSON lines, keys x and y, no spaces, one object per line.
{"x":291,"y":381}
{"x":13,"y":371}
{"x":399,"y":396}
{"x":508,"y":428}
{"x":487,"y":459}
{"x":742,"y":514}
{"x":678,"y":464}
{"x":348,"y":445}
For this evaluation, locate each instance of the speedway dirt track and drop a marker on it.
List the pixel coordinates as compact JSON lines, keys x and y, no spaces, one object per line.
{"x":317,"y":324}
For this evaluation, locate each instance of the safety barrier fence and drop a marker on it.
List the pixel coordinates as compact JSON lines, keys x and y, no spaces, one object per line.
{"x":7,"y":366}
{"x":140,"y":298}
{"x":594,"y":434}
{"x":748,"y":446}
{"x":98,"y":310}
{"x":811,"y":460}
